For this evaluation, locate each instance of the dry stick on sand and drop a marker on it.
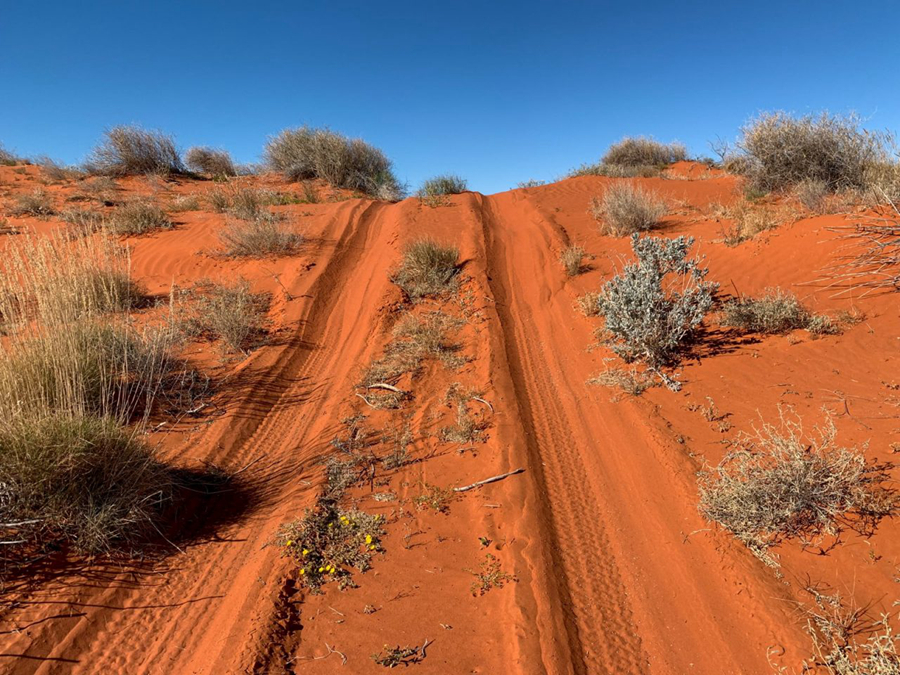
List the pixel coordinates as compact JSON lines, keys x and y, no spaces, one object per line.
{"x":492,"y":479}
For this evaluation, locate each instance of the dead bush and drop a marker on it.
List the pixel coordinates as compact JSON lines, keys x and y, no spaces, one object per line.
{"x":625,"y":209}
{"x":129,"y":150}
{"x":7,"y":158}
{"x":37,"y":203}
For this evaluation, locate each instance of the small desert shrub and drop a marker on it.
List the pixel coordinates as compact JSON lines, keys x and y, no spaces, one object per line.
{"x":642,"y":151}
{"x":589,"y":303}
{"x":37,"y":203}
{"x":781,"y":484}
{"x":216,"y":163}
{"x":616,"y":170}
{"x":261,"y":236}
{"x":647,"y":318}
{"x":467,"y":428}
{"x":229,"y":313}
{"x":782,"y":150}
{"x":491,"y":576}
{"x":775,"y":312}
{"x":246,"y":203}
{"x":82,"y":479}
{"x":748,"y":220}
{"x":812,"y":194}
{"x":54,"y":171}
{"x":184,"y":203}
{"x":630,"y":381}
{"x":440,"y":186}
{"x":626,"y":209}
{"x":100,"y":188}
{"x":129,"y":150}
{"x":138,"y":217}
{"x":306,"y":153}
{"x":427,"y":269}
{"x":531,"y":182}
{"x":329,"y":542}
{"x":572,"y":260}
{"x":56,"y":281}
{"x":83,"y":221}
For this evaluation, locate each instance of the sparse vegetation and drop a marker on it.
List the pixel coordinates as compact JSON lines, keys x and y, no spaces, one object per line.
{"x":491,"y":576}
{"x":434,"y":191}
{"x":780,"y":150}
{"x":138,"y":217}
{"x":774,"y":312}
{"x":232,"y":314}
{"x":427,"y":269}
{"x":467,"y":429}
{"x":572,"y":260}
{"x":7,"y":158}
{"x":625,"y":209}
{"x":260,"y":237}
{"x":54,"y":171}
{"x":129,"y":150}
{"x":641,"y":151}
{"x":812,"y":195}
{"x":37,"y":203}
{"x":215,"y":163}
{"x":391,"y":657}
{"x":644,"y":321}
{"x":329,"y":542}
{"x":631,"y":381}
{"x":436,"y":498}
{"x":306,"y":153}
{"x":781,"y":484}
{"x":184,"y":203}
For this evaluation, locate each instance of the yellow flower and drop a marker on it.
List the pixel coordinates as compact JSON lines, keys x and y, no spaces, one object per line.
{"x":305,"y":551}
{"x":372,"y":547}
{"x":321,"y":569}
{"x":289,"y":543}
{"x":302,"y":571}
{"x":368,"y":538}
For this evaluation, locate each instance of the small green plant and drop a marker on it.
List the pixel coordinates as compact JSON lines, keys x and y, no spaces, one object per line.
{"x":490,"y":576}
{"x":427,"y":269}
{"x":647,"y":321}
{"x":626,"y":209}
{"x":391,"y":657}
{"x":37,"y":203}
{"x":138,"y":217}
{"x":435,"y":498}
{"x":329,"y":542}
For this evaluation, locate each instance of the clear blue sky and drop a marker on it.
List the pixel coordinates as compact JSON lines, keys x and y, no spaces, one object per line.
{"x":495,"y":91}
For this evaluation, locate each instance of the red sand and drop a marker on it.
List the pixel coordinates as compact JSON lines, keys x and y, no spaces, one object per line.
{"x":616,"y":570}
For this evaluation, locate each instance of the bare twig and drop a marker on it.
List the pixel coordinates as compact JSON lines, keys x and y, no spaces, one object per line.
{"x":492,"y":479}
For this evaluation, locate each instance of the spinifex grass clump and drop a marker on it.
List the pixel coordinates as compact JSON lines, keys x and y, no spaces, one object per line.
{"x":652,"y":307}
{"x":775,"y":312}
{"x":642,"y":151}
{"x":232,"y":314}
{"x":781,"y":484}
{"x":216,"y":163}
{"x":56,"y":281}
{"x":129,"y":150}
{"x":572,"y":260}
{"x":427,"y":269}
{"x":329,"y":542}
{"x":138,"y":217}
{"x":351,"y":163}
{"x":625,"y":209}
{"x":261,"y":236}
{"x":434,"y":191}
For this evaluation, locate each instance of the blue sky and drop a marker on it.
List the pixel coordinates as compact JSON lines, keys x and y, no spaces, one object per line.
{"x":498,"y":92}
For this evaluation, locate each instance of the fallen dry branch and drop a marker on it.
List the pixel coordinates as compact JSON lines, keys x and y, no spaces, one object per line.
{"x":492,"y":479}
{"x":873,"y":264}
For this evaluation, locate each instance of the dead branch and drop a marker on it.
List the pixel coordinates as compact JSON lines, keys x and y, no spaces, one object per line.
{"x":492,"y":479}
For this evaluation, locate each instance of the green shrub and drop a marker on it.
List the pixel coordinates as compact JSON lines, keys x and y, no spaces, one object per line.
{"x":775,"y":312}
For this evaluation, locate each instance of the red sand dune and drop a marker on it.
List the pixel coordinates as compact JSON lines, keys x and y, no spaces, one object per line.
{"x":616,"y":571}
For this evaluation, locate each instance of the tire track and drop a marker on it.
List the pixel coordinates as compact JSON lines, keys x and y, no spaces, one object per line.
{"x":601,"y":633}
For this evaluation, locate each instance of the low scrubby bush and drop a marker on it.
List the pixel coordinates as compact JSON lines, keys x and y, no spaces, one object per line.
{"x":782,"y":484}
{"x":232,"y":314}
{"x":7,"y":158}
{"x":37,"y":203}
{"x":129,"y":150}
{"x":261,"y":236}
{"x":138,"y":217}
{"x":780,"y":150}
{"x":427,"y":269}
{"x":641,"y":151}
{"x":351,"y":163}
{"x":626,"y":209}
{"x":648,"y":318}
{"x":441,"y":186}
{"x":572,"y":260}
{"x":216,"y":163}
{"x":775,"y":312}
